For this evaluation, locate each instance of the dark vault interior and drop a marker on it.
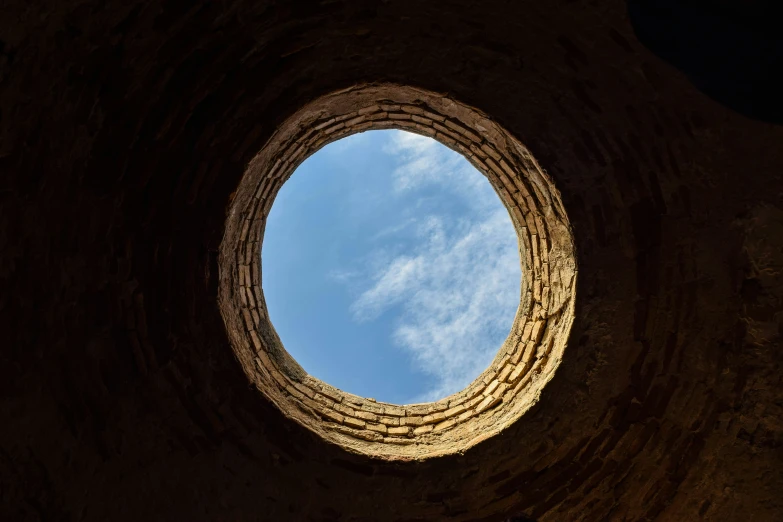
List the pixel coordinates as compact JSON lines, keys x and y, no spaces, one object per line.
{"x":125,"y":131}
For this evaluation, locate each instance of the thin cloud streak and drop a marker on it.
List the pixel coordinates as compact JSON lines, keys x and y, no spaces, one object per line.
{"x":424,"y":161}
{"x":459,"y":286}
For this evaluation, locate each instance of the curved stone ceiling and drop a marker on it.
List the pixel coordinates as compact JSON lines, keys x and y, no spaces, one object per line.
{"x":529,"y":356}
{"x":126,"y":131}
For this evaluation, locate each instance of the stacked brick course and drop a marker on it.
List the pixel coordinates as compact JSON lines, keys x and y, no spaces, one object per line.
{"x":125,"y":128}
{"x":525,"y":361}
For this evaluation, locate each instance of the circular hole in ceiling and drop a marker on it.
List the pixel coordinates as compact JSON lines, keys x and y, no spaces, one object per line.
{"x":390,"y":267}
{"x":528,"y":357}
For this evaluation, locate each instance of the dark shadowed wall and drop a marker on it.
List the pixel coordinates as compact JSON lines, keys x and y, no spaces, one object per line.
{"x":124,"y":129}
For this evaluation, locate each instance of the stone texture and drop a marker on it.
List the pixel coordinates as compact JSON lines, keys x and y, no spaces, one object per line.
{"x":125,"y":128}
{"x":486,"y":406}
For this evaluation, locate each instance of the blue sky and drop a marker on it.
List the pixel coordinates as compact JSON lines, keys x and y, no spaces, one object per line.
{"x":390,"y":267}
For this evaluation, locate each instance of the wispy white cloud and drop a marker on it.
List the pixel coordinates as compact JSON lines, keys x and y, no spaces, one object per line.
{"x":396,"y":229}
{"x":423,"y":161}
{"x":459,"y":285}
{"x":343,"y":276}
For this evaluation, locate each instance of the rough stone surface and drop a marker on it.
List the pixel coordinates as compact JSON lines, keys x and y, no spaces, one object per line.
{"x":125,"y":128}
{"x":511,"y":384}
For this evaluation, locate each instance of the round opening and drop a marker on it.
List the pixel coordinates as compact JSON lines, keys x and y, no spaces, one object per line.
{"x":528,"y":357}
{"x":388,"y":263}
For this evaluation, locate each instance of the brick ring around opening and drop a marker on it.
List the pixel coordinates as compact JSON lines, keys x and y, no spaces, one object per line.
{"x":527,"y":359}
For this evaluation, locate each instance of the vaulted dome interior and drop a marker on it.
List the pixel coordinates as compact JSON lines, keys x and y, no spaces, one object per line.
{"x":524,"y":364}
{"x":141,"y":144}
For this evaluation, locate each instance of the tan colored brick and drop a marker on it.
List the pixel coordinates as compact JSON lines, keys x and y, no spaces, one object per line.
{"x":380,"y":428}
{"x":384,"y":124}
{"x":441,"y":405}
{"x":433,"y":417}
{"x":466,"y":415}
{"x":443,"y":138}
{"x":389,"y":421}
{"x":530,"y":352}
{"x":475,"y":148}
{"x":372,"y":407}
{"x":325,"y":124}
{"x":354,"y":121}
{"x":281,"y":380}
{"x":396,"y":411}
{"x":293,"y":391}
{"x":304,"y":390}
{"x":534,"y":242}
{"x":346,"y":116}
{"x":429,"y":131}
{"x":332,"y":415}
{"x":362,"y":126}
{"x":423,"y":429}
{"x":256,"y":317}
{"x":249,"y":324}
{"x":377,"y":116}
{"x":360,"y":434}
{"x":456,"y":127}
{"x":250,"y":300}
{"x":530,"y":222}
{"x":505,"y":196}
{"x":366,"y":415}
{"x":473,"y":391}
{"x":490,"y":151}
{"x":489,"y":376}
{"x":445,"y":424}
{"x":454,"y":411}
{"x":243,"y":297}
{"x":400,"y":430}
{"x":324,"y":400}
{"x":505,"y":372}
{"x":545,"y":292}
{"x":433,"y":116}
{"x":412,"y":109}
{"x":537,"y":290}
{"x":407,"y":124}
{"x":245,"y":228}
{"x":256,"y":340}
{"x":331,"y":393}
{"x":528,"y":330}
{"x":465,"y":132}
{"x":538,"y":331}
{"x":516,"y":374}
{"x":354,"y":423}
{"x":479,"y":164}
{"x":417,"y":409}
{"x":371,"y":108}
{"x":491,"y":387}
{"x":456,"y":401}
{"x":334,"y":128}
{"x":456,"y":137}
{"x":487,"y":403}
{"x":345,"y":410}
{"x":312,"y":404}
{"x":263,"y":360}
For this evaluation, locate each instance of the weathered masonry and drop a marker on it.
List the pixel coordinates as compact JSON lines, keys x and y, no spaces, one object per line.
{"x":141,"y":144}
{"x":511,"y":385}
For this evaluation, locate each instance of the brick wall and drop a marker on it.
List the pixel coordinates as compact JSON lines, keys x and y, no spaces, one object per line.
{"x":126,"y":128}
{"x":525,"y":362}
